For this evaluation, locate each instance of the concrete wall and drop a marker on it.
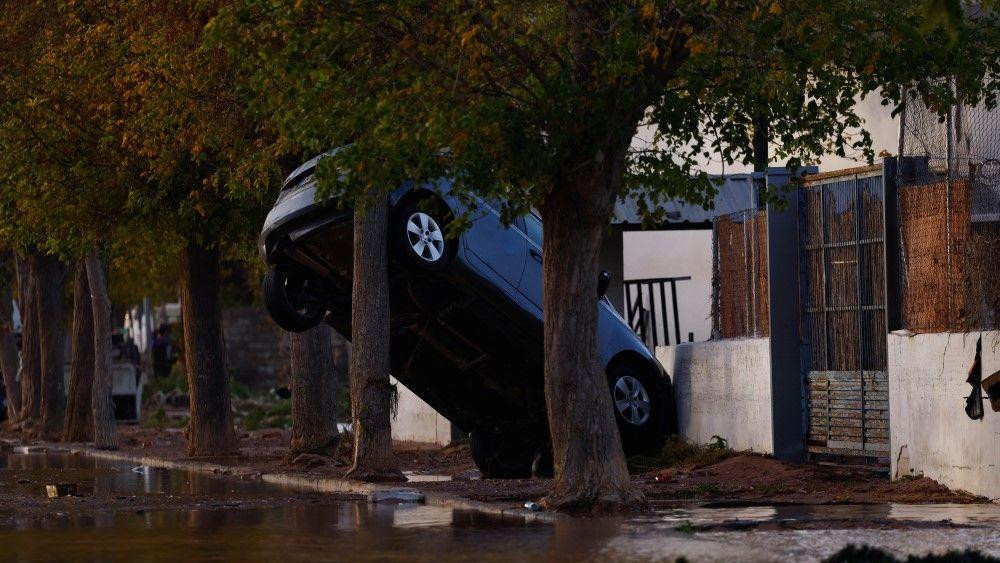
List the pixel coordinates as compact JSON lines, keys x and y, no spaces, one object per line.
{"x":416,"y":421}
{"x":930,"y":433}
{"x":257,"y":350}
{"x":723,"y":388}
{"x":664,"y":254}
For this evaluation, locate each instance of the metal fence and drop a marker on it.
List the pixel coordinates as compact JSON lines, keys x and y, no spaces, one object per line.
{"x":648,"y":302}
{"x":739,"y":275}
{"x":843,"y":250}
{"x":949,"y":208}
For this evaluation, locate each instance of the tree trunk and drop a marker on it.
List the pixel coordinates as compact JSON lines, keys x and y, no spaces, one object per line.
{"x":314,"y":383}
{"x":79,"y":425}
{"x":30,"y":374}
{"x":100,"y":394}
{"x":210,"y":430}
{"x":371,"y":393}
{"x":51,"y":343}
{"x":590,"y":470}
{"x":9,"y":361}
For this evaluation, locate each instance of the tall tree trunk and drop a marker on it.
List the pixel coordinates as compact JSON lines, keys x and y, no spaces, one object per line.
{"x":371,"y":392}
{"x":590,"y":470}
{"x":210,"y":430}
{"x":79,"y":426}
{"x":314,"y":382}
{"x":51,"y":343}
{"x":30,"y":374}
{"x":9,"y":361}
{"x":103,"y":413}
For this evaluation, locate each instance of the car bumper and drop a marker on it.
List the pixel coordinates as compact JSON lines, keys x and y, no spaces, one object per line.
{"x":295,"y":214}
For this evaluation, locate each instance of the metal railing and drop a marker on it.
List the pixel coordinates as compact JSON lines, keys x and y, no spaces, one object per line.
{"x":646,"y":309}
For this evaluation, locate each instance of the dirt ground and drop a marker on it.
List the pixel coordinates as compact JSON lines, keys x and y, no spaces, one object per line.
{"x":700,"y":475}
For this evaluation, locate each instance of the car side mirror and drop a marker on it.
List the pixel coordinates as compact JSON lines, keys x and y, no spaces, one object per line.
{"x":603,"y":281}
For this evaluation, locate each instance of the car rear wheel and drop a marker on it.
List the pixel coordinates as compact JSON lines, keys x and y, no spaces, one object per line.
{"x":420,"y":234}
{"x":508,"y":456}
{"x":644,"y":410}
{"x":293,"y":300}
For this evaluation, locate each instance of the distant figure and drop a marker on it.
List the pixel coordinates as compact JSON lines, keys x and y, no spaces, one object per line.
{"x":162,"y":352}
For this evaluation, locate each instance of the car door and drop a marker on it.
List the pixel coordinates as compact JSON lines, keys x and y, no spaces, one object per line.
{"x":500,"y":248}
{"x":531,"y":279}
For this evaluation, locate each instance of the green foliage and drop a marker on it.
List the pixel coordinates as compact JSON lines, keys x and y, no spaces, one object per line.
{"x":160,"y":420}
{"x":274,"y":415}
{"x":513,"y":98}
{"x":238,"y":389}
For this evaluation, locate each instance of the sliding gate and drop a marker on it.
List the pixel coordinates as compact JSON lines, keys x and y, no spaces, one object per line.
{"x":842,"y":238}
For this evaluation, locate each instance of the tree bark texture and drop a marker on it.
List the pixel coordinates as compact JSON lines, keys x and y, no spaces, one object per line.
{"x":9,"y":361}
{"x":103,"y":411}
{"x":50,"y":281}
{"x":210,"y":429}
{"x":30,"y":374}
{"x":371,"y":392}
{"x":315,"y":382}
{"x":79,"y":424}
{"x":590,"y":470}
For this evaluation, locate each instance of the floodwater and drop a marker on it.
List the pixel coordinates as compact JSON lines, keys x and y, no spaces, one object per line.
{"x":211,"y":518}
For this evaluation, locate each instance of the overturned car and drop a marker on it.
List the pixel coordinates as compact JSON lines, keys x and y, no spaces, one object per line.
{"x":466,"y":317}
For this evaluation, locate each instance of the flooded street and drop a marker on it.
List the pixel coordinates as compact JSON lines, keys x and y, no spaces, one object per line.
{"x":128,"y":513}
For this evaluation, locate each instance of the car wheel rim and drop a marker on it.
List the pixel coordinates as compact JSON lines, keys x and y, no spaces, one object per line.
{"x":425,"y":236}
{"x":631,"y":400}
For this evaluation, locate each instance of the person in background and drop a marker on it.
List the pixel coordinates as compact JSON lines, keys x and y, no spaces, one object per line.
{"x":162,"y":351}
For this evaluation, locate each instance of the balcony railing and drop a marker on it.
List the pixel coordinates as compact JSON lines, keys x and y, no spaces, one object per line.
{"x":646,"y":309}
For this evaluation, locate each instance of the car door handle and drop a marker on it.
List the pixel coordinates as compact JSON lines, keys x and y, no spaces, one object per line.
{"x":536,"y":254}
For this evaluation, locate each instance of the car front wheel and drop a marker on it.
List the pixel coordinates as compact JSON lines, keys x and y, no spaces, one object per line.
{"x":292,"y":300}
{"x":508,"y":456}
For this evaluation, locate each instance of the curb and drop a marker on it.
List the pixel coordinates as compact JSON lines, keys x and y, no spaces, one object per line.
{"x":374,"y":492}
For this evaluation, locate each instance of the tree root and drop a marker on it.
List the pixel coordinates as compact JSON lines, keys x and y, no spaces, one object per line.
{"x":376,"y":475}
{"x":593,"y":500}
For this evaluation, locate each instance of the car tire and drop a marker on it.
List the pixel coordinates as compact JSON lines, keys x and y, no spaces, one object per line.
{"x":643,"y":405}
{"x":292,"y":300}
{"x":419,"y":234}
{"x":502,"y":456}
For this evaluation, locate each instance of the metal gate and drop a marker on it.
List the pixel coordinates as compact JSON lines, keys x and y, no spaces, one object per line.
{"x":842,"y":227}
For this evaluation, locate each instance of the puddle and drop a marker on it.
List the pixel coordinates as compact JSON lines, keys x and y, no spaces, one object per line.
{"x":962,"y":514}
{"x":222,"y":523}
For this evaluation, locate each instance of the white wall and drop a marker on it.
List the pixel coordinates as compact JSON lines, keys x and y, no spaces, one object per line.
{"x":664,"y":254}
{"x":878,"y":121}
{"x":723,"y":388}
{"x":416,"y":421}
{"x":930,"y":433}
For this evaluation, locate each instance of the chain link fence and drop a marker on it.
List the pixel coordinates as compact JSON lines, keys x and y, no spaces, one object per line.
{"x":949,"y":208}
{"x":739,"y":275}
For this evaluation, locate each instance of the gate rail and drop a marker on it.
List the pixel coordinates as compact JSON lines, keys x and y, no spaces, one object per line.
{"x":641,"y":309}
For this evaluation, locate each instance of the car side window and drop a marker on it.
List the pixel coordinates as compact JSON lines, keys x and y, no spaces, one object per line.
{"x":533,"y":228}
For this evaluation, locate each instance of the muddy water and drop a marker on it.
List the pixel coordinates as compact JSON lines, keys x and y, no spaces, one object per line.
{"x":132,"y":514}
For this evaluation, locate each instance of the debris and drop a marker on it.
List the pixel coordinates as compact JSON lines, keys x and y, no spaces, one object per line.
{"x":974,"y":402}
{"x":30,"y":449}
{"x":395,"y":496}
{"x":23,"y":481}
{"x":470,"y":475}
{"x":61,"y":490}
{"x":533,"y":506}
{"x":665,"y":476}
{"x":309,"y":461}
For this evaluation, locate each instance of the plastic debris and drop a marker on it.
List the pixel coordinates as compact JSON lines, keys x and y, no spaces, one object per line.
{"x":61,"y":490}
{"x":533,"y":506}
